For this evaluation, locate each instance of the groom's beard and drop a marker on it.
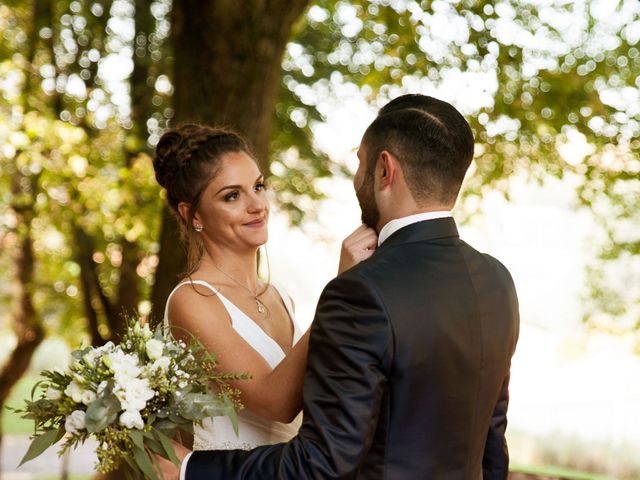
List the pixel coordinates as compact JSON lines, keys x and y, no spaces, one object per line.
{"x":367,"y":200}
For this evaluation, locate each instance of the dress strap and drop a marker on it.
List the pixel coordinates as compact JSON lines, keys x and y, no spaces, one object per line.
{"x":186,"y":282}
{"x":286,"y":299}
{"x":288,"y":305}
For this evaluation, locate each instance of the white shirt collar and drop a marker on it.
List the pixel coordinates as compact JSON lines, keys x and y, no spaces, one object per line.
{"x":398,"y":223}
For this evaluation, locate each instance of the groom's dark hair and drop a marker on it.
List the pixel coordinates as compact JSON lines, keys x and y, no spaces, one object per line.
{"x":432,"y":141}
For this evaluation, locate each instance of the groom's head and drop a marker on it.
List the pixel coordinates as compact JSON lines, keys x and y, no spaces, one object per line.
{"x":413,"y":157}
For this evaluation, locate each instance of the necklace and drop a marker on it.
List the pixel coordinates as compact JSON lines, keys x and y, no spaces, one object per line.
{"x":259,"y":305}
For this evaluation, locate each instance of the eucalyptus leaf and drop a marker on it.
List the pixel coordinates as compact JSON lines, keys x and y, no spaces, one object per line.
{"x":151,"y":419}
{"x":41,"y":443}
{"x":153,"y":443}
{"x":165,"y":425}
{"x":168,"y":447}
{"x":144,"y":463}
{"x":137,"y":438}
{"x":155,"y":446}
{"x":233,"y":416}
{"x":100,"y":414}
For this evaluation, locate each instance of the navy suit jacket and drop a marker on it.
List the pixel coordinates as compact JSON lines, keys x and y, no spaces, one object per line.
{"x":408,"y":370}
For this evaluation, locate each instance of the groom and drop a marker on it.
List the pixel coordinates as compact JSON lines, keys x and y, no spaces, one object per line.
{"x":410,"y":350}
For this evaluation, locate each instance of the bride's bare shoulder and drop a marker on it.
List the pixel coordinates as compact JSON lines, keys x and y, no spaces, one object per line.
{"x":193,"y":303}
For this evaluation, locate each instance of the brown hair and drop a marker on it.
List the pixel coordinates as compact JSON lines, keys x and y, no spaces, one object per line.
{"x":187,"y":159}
{"x":432,"y":141}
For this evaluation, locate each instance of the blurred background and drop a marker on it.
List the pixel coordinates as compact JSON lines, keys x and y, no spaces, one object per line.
{"x":551,"y":89}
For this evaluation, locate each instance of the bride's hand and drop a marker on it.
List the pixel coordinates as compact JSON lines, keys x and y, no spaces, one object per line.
{"x":357,"y":247}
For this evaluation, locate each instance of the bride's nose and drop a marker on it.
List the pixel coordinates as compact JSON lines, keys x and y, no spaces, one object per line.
{"x":257,"y":203}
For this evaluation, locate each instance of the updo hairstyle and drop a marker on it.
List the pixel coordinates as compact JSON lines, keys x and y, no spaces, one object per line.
{"x":187,"y":159}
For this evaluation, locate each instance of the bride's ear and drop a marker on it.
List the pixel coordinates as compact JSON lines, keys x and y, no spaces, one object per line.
{"x":183,"y":210}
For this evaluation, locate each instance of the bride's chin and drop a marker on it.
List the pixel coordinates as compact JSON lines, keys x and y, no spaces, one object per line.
{"x":259,"y":242}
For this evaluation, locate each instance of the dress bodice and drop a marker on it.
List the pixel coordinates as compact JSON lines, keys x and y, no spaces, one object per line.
{"x":217,"y":433}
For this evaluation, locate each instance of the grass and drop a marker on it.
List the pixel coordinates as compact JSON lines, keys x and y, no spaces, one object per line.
{"x":557,"y":472}
{"x":11,"y":422}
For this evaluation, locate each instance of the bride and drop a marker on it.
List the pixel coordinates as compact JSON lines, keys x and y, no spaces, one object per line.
{"x":217,"y":191}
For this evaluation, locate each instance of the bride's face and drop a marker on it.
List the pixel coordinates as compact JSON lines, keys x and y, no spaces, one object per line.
{"x":233,"y":209}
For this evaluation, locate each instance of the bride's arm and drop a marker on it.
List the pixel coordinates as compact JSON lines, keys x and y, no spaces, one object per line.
{"x":275,"y":394}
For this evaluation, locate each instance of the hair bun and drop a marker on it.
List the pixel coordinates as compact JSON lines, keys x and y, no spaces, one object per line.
{"x":166,"y":162}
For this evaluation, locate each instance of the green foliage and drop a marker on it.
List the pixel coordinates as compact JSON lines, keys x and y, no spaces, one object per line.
{"x":132,"y":398}
{"x":41,"y":443}
{"x":549,"y":88}
{"x":532,"y":77}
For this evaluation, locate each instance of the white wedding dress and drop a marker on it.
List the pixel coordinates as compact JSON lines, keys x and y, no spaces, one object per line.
{"x":216,"y":433}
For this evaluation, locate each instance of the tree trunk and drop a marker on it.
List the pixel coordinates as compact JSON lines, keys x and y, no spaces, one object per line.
{"x":26,"y":325}
{"x":128,"y":294}
{"x":227,"y":70}
{"x":94,"y":301}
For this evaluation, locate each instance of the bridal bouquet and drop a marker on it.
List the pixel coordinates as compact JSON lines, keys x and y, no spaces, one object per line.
{"x":132,"y":398}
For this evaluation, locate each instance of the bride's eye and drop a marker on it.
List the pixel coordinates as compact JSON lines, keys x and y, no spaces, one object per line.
{"x":231,"y":196}
{"x":260,"y":186}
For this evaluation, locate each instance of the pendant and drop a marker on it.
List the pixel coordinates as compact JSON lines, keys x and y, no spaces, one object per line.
{"x":260,"y":306}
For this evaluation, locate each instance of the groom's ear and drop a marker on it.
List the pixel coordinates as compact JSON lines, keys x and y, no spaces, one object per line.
{"x":387,"y":168}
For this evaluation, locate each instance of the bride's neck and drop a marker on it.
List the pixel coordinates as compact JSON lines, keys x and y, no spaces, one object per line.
{"x":241,"y":267}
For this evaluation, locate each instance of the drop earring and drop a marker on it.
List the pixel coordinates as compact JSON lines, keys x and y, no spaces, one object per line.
{"x":197,"y":227}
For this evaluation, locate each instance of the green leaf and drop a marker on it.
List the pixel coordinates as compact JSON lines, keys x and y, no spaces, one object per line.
{"x":35,"y":387}
{"x":41,"y":443}
{"x":131,"y":473}
{"x":100,"y":414}
{"x":233,"y":416}
{"x":144,"y":463}
{"x":165,"y":425}
{"x":153,"y":444}
{"x":168,"y":446}
{"x":137,"y":438}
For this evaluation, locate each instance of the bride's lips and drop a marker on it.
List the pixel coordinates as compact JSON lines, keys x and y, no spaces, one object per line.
{"x":259,"y":222}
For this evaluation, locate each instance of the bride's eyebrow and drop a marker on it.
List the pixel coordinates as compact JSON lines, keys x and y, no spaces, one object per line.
{"x":231,"y":187}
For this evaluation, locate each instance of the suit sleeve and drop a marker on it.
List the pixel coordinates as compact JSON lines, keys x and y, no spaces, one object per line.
{"x":495,"y":462}
{"x":349,"y":359}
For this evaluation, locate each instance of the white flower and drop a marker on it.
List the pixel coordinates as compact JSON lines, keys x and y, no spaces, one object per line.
{"x":107,"y":347}
{"x":121,"y":395}
{"x":131,"y":419}
{"x":162,"y":363}
{"x":90,"y":357}
{"x":74,"y":390}
{"x":103,"y":351}
{"x":133,"y":394}
{"x":146,"y":331}
{"x":154,"y":348}
{"x":88,"y":396}
{"x":75,"y":422}
{"x":53,"y":394}
{"x":123,"y":365}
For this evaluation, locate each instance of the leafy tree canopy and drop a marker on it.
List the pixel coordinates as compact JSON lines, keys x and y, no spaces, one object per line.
{"x":549,"y":87}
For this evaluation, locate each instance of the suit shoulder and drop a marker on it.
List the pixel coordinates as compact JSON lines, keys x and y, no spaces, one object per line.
{"x":490,"y":260}
{"x":498,"y":265}
{"x":355,"y":277}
